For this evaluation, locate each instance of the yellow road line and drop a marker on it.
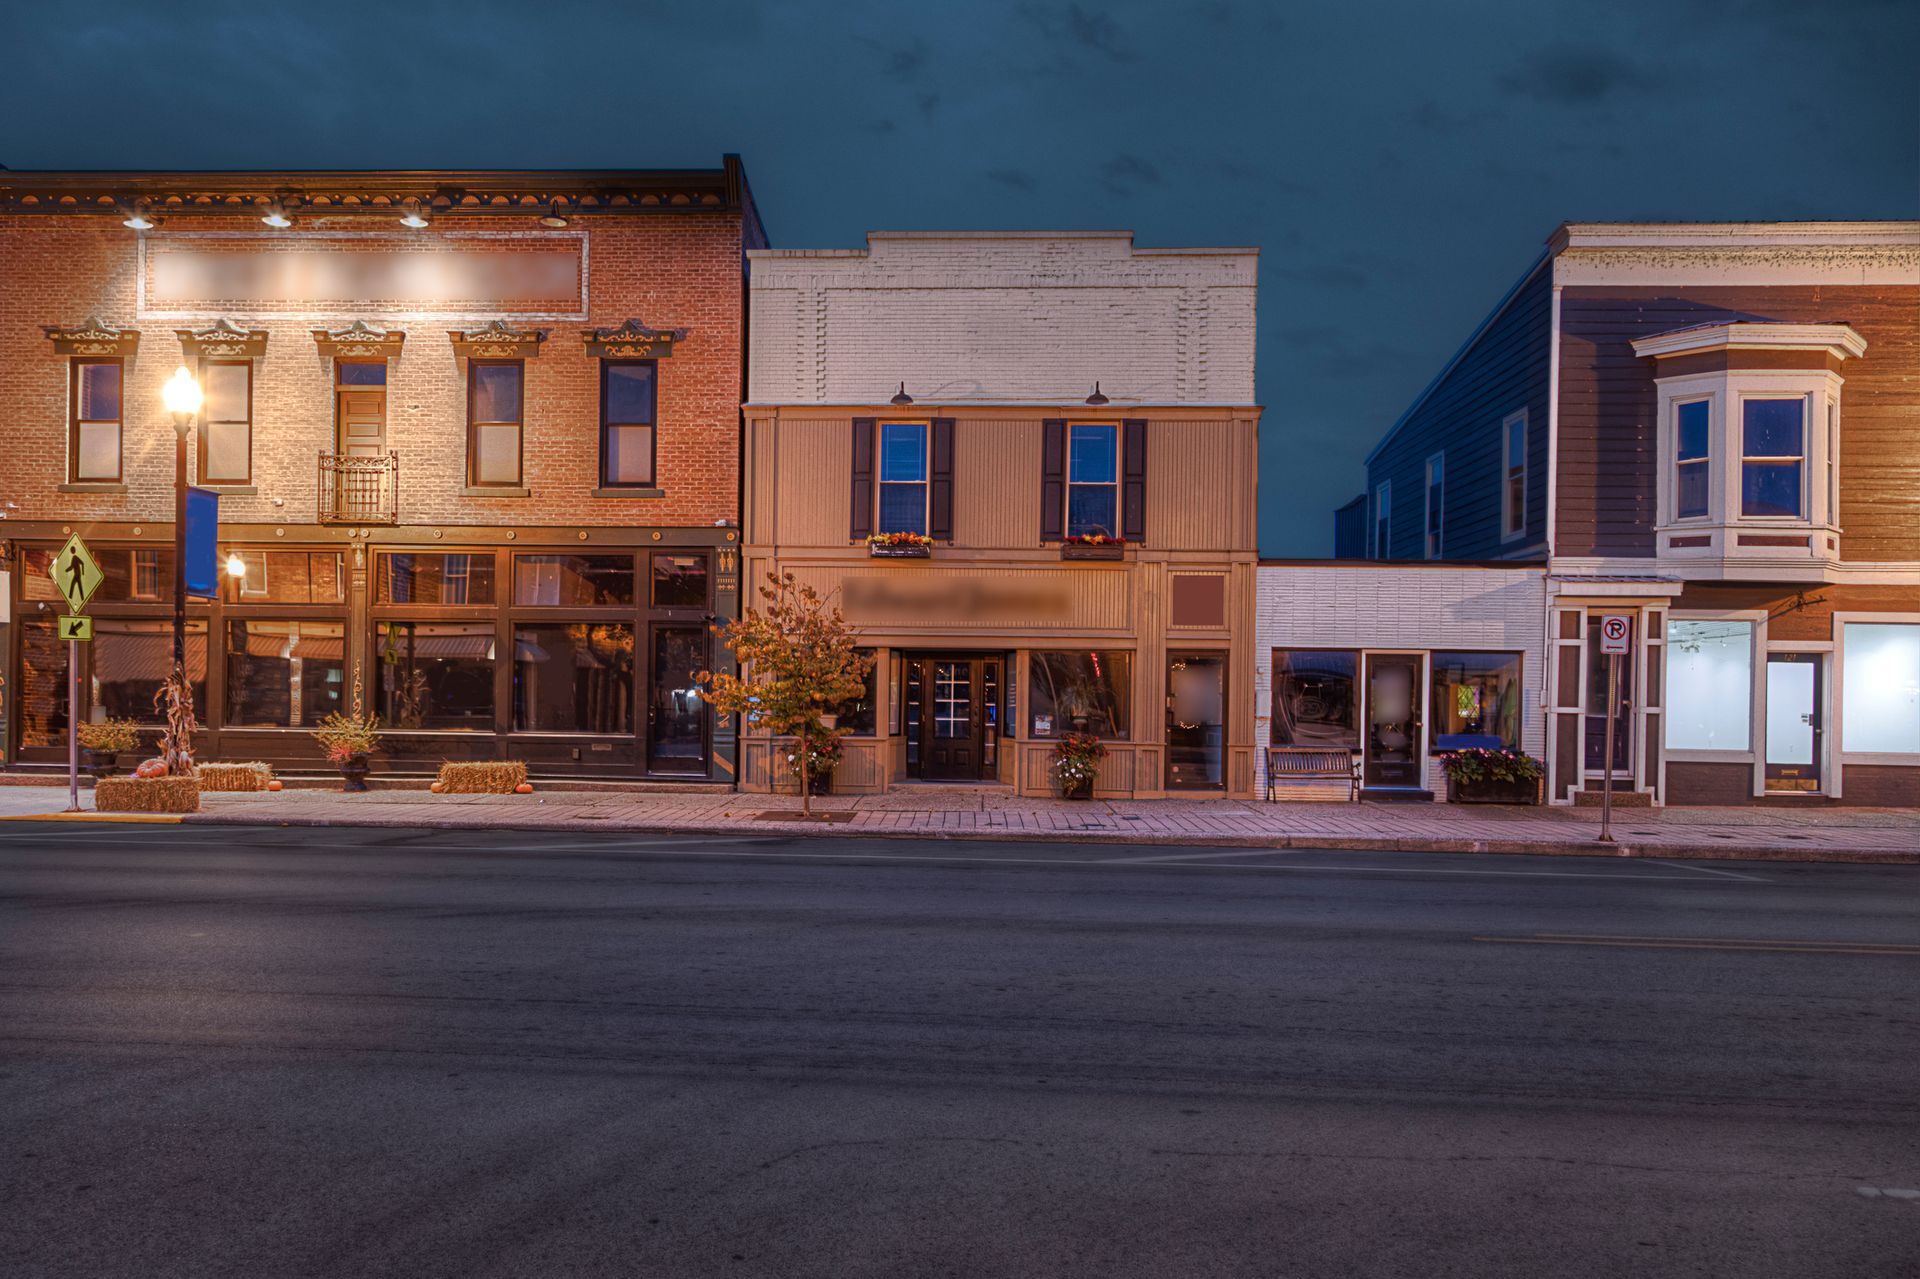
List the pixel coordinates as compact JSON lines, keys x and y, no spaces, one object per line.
{"x":133,"y":818}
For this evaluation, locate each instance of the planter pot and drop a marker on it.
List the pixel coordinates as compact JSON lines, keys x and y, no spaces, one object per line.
{"x":1075,"y":790}
{"x":101,"y":764}
{"x":1076,"y":551}
{"x":353,"y":773}
{"x":1492,"y":792}
{"x":820,"y":784}
{"x":900,"y":552}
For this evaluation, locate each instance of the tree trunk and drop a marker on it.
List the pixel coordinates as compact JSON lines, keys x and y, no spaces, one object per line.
{"x":806,"y":786}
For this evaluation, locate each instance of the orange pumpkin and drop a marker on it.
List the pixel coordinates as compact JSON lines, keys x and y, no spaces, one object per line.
{"x":524,"y":788}
{"x":275,"y":784}
{"x":435,"y":788}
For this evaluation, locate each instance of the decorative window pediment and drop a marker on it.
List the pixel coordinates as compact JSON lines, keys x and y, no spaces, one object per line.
{"x":95,"y":337}
{"x":222,"y":341}
{"x":497,"y":341}
{"x":633,"y":341}
{"x":359,"y":341}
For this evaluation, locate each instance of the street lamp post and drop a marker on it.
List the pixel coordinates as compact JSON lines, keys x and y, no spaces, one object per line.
{"x":182,"y":395}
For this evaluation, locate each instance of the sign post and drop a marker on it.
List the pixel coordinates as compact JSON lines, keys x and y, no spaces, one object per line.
{"x":1616,"y":634}
{"x":77,"y":576}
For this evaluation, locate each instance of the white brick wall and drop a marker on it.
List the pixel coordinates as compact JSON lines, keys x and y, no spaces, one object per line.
{"x":1360,"y":606}
{"x":1008,"y":318}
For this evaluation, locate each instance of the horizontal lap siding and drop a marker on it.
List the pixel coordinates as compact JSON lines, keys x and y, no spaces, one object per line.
{"x":1504,"y":371}
{"x":1608,"y":402}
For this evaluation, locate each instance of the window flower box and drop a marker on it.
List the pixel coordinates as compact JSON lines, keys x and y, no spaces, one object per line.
{"x":900,"y":546}
{"x":1479,"y":776}
{"x":1093,"y":546}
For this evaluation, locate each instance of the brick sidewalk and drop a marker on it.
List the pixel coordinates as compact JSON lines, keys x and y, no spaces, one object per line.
{"x":988,"y":813}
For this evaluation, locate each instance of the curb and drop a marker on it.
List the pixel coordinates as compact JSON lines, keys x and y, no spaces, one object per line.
{"x":89,"y":815}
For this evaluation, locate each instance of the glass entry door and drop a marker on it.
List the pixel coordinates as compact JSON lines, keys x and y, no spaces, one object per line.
{"x":1393,"y":720}
{"x":1196,"y":721}
{"x":1596,"y":717}
{"x":1794,"y":728}
{"x":676,"y":713}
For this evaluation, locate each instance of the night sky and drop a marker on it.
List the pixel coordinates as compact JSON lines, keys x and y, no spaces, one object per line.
{"x":1398,"y":164}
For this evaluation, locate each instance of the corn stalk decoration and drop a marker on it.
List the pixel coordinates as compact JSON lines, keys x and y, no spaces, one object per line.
{"x":797,"y":665}
{"x":175,"y":702}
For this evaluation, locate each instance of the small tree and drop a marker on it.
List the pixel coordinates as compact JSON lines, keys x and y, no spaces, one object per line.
{"x":797,"y":663}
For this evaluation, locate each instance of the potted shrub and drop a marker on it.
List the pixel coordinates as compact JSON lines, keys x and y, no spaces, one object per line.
{"x":1076,"y":763}
{"x":1093,"y":546}
{"x":348,"y":740}
{"x":1477,"y":775}
{"x":822,"y":757}
{"x":899,"y":546}
{"x":105,"y":742}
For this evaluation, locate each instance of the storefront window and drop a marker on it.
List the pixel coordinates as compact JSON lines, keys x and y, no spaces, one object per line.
{"x":451,"y":578}
{"x":856,"y":714}
{"x":573,"y":678}
{"x":1476,"y":701}
{"x":42,"y":695}
{"x":287,"y":577}
{"x":1080,"y":693}
{"x":284,"y":674}
{"x":567,"y":580}
{"x":1880,"y":688}
{"x":436,"y":674}
{"x":131,"y":660}
{"x":679,"y":580}
{"x":1313,"y":701}
{"x":1709,"y":685}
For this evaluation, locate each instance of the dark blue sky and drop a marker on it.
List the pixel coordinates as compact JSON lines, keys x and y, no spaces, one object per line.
{"x":1399,"y":164}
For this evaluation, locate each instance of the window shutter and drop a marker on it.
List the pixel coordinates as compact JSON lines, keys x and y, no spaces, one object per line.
{"x":861,"y":525}
{"x":940,"y":473}
{"x":1053,"y":478}
{"x":1133,"y":480}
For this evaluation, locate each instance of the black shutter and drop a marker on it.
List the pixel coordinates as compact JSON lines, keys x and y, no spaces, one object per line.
{"x":940,"y":494}
{"x":1053,"y":478}
{"x":862,"y":522}
{"x":1133,"y":480}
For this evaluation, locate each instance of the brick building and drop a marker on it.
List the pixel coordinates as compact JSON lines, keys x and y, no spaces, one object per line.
{"x":475,"y":436}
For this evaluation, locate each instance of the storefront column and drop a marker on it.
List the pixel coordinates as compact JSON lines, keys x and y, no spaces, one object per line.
{"x":359,"y":632}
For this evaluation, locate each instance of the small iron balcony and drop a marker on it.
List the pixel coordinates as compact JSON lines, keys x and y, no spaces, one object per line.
{"x":359,"y":489}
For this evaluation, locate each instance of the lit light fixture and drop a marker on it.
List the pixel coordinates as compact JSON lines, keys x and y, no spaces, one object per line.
{"x":901,"y":396}
{"x":276,"y":215}
{"x":1096,"y":397}
{"x":236,"y":567}
{"x":137,"y":219}
{"x":182,"y":394}
{"x":554,"y":216}
{"x":415,"y":216}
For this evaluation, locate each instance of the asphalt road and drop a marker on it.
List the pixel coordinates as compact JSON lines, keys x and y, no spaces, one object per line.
{"x":349,"y":1052}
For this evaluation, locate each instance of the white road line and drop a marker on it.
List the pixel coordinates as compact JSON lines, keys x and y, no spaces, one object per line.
{"x":1708,"y":870}
{"x":1194,"y":857}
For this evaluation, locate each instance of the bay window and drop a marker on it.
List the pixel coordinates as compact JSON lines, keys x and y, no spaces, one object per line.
{"x":1773,"y":454}
{"x":1692,"y":451}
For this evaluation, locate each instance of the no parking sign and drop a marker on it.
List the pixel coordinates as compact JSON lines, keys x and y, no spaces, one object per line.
{"x":1616,"y":630}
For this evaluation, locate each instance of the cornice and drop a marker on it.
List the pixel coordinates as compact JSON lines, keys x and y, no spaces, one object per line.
{"x":359,"y":341}
{"x":632,"y":340}
{"x":1837,"y":340}
{"x":497,"y":341}
{"x":222,"y":341}
{"x":95,"y":337}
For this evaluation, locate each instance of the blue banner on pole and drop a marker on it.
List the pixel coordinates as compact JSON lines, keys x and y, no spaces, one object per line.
{"x":202,"y":569}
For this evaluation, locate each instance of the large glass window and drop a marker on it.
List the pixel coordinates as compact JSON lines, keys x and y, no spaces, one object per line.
{"x":573,"y":677}
{"x":494,"y":415}
{"x":287,"y":577}
{"x":679,"y":579}
{"x":1773,"y":451}
{"x":1880,"y":688}
{"x":41,"y":697}
{"x":627,"y":402}
{"x":451,"y":578}
{"x":1080,"y":693}
{"x":903,"y":477}
{"x":284,"y":674}
{"x":1709,"y":685}
{"x":94,"y":447}
{"x":1313,"y":698}
{"x":226,"y":423}
{"x":131,"y":660}
{"x":1476,"y":701}
{"x":1093,"y":480}
{"x":436,"y":674}
{"x":1692,"y":450}
{"x":560,"y":580}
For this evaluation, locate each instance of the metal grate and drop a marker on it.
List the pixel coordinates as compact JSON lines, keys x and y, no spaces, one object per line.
{"x":359,"y":489}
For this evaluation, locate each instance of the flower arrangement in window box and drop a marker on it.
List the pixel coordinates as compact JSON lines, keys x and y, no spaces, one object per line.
{"x":1076,"y":763}
{"x":822,"y":757}
{"x":899,"y":546}
{"x":1477,"y":775}
{"x":105,"y":741}
{"x":1093,"y":546}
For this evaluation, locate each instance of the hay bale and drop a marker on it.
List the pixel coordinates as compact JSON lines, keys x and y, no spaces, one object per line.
{"x":234,"y":777}
{"x":147,"y":795}
{"x":494,"y":777}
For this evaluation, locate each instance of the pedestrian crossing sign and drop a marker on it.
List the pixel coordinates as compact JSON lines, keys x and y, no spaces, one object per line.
{"x":76,"y":573}
{"x":77,"y":627}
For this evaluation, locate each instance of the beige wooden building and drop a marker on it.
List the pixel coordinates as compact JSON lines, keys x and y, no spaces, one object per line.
{"x":1027,"y":554}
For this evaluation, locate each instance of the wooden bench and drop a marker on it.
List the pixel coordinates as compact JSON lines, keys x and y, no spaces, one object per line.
{"x":1313,"y":764}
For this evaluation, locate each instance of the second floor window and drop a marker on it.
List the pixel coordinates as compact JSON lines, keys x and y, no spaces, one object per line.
{"x":903,"y":477}
{"x":1773,"y":450}
{"x":94,"y":443}
{"x":1692,"y":452}
{"x":226,"y":424}
{"x":1093,"y":480}
{"x":1382,"y":521}
{"x":1513,"y":476}
{"x":1436,"y":498}
{"x":494,"y":411}
{"x":627,"y":401}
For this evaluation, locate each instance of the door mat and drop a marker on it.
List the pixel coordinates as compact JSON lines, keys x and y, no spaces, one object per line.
{"x":784,"y":815}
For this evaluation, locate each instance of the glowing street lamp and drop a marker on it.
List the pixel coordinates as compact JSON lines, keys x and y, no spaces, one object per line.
{"x":236,"y":567}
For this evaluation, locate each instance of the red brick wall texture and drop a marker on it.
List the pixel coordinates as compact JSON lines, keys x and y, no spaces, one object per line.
{"x":669,"y":270}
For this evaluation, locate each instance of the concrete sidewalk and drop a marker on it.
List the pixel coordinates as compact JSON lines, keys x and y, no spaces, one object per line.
{"x":1850,"y":834}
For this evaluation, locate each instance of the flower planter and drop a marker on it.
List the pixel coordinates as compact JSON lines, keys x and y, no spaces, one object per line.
{"x":1093,"y":551}
{"x":101,"y":764}
{"x":1082,"y":790}
{"x":900,"y":552}
{"x":353,"y":773}
{"x":1488,"y":791}
{"x":819,"y":783}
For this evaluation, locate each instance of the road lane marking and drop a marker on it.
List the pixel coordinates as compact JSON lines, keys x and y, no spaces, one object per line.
{"x":1192,"y":857}
{"x":1895,"y":949}
{"x":1709,"y":870}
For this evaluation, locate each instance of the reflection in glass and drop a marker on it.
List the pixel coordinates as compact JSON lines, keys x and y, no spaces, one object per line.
{"x":1092,"y":480}
{"x":1080,"y":693}
{"x":1313,"y":702}
{"x":450,"y":578}
{"x":903,"y":477}
{"x":42,"y":696}
{"x":1196,"y":719}
{"x":679,"y":580}
{"x":436,"y":674}
{"x":284,"y":674}
{"x":1773,"y":442}
{"x":574,"y":677}
{"x":288,"y":577}
{"x":677,"y":726}
{"x":590,"y":580}
{"x":131,"y":660}
{"x":1476,"y":701}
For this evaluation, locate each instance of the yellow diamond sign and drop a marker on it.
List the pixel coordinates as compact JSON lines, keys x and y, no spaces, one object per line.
{"x":76,"y":573}
{"x":78,"y":628}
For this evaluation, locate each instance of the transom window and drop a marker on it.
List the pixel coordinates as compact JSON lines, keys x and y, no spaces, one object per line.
{"x":94,"y":445}
{"x":495,"y":400}
{"x":903,"y":477}
{"x":1773,"y":451}
{"x":226,"y":427}
{"x":1093,"y":480}
{"x":627,"y":401}
{"x":1692,"y":452}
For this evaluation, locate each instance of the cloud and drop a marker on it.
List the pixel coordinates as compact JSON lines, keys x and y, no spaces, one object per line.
{"x":1574,"y":76}
{"x":1077,"y":25}
{"x":1126,"y":173}
{"x":902,"y":62}
{"x":1018,"y":179}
